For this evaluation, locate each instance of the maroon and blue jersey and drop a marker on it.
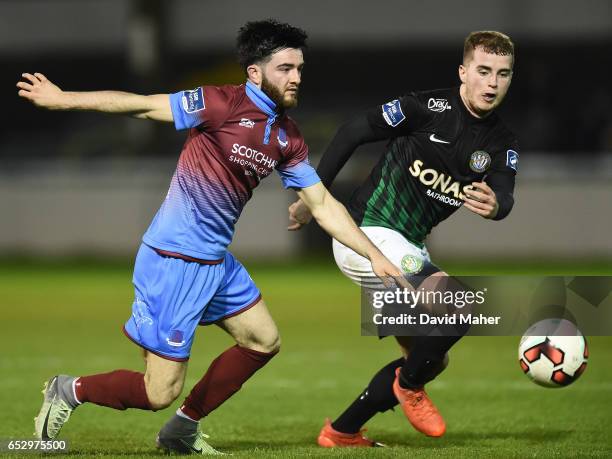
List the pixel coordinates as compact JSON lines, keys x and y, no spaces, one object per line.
{"x":236,"y":138}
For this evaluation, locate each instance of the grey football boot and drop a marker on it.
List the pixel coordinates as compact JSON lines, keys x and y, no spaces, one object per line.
{"x":183,"y":436}
{"x":58,"y":404}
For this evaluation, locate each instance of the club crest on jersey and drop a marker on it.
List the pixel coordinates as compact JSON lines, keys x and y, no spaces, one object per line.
{"x":392,"y":113}
{"x":411,"y":264}
{"x":193,"y":101}
{"x":176,"y":338}
{"x":438,"y":105}
{"x":282,"y":138}
{"x":480,"y":161}
{"x":512,"y":159}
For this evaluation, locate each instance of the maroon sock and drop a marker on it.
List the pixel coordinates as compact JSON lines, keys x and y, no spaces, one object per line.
{"x":119,"y":389}
{"x":225,"y":376}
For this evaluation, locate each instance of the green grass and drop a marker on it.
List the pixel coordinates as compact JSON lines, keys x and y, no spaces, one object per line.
{"x":67,"y":318}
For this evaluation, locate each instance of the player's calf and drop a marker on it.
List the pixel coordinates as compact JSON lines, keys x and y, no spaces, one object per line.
{"x":225,"y":376}
{"x":163,"y":380}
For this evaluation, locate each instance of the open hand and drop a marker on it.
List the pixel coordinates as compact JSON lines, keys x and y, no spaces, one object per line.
{"x":40,"y":91}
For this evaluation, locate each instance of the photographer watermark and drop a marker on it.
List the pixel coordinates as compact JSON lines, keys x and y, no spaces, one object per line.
{"x":486,"y":306}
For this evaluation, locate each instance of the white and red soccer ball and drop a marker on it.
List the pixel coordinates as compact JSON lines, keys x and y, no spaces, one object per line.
{"x":553,"y":353}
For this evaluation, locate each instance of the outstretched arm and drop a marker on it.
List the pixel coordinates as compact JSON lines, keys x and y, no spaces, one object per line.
{"x":43,"y":93}
{"x":333,"y":217}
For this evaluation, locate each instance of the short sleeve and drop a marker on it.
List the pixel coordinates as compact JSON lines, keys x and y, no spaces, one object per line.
{"x":206,"y":106}
{"x":300,"y":175}
{"x":295,"y":171}
{"x":398,"y":117}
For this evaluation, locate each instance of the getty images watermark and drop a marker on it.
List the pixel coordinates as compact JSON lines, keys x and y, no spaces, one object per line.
{"x":418,"y":301}
{"x":486,"y":306}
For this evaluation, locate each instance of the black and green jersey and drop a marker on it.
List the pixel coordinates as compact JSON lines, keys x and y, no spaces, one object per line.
{"x":436,"y":150}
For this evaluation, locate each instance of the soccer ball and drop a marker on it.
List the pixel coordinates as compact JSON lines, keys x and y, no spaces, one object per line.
{"x":553,"y":353}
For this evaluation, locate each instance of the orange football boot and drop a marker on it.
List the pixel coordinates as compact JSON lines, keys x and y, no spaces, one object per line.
{"x":419,"y":409}
{"x":331,"y":438}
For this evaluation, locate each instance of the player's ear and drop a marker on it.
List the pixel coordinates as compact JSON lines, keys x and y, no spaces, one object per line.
{"x":255,"y":74}
{"x":462,"y":73}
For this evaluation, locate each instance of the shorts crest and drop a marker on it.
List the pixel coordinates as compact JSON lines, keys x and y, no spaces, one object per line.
{"x":411,"y":264}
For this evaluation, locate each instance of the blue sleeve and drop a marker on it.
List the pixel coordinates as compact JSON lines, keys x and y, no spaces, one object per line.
{"x":187,"y":107}
{"x":300,"y":175}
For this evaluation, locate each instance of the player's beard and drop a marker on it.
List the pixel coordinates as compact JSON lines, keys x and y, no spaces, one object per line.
{"x":274,"y":93}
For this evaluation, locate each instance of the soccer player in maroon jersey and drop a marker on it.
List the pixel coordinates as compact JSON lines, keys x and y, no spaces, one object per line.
{"x":184,"y":275}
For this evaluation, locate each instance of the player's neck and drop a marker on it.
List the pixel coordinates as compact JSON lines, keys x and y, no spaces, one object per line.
{"x":468,"y":107}
{"x":261,"y":99}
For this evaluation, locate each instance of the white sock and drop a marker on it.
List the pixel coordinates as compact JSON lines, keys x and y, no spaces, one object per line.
{"x":74,"y":391}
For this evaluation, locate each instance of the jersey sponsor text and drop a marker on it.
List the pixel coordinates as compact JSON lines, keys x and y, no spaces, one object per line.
{"x":438,"y":105}
{"x":255,"y":155}
{"x":438,"y":181}
{"x":252,"y":159}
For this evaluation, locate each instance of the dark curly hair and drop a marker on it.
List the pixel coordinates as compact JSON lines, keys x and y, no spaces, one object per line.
{"x":258,"y":40}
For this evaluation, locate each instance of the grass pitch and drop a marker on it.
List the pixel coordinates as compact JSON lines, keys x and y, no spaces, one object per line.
{"x":68,"y":319}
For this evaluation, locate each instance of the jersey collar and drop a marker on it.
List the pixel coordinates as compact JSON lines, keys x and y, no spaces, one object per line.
{"x":265,"y":104}
{"x":260,"y":99}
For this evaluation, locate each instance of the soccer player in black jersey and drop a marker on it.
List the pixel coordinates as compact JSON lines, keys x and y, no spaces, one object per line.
{"x":447,"y":148}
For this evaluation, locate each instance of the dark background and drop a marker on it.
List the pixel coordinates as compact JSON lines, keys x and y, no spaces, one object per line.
{"x":360,"y":55}
{"x":559,"y":100}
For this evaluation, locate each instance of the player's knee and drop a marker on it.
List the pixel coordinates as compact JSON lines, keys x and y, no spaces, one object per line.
{"x":267,"y":343}
{"x":162,"y":393}
{"x":163,"y":398}
{"x":158,"y":402}
{"x":275,"y":345}
{"x":271,"y":344}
